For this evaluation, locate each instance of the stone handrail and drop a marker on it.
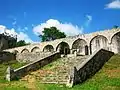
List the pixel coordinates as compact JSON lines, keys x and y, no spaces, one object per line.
{"x":22,"y":71}
{"x":89,"y":67}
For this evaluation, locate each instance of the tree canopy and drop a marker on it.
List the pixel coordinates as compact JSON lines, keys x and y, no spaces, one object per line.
{"x":11,"y":41}
{"x":115,"y":26}
{"x":52,"y":33}
{"x":21,"y":43}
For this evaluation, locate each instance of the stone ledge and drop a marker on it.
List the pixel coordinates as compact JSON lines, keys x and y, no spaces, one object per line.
{"x":22,"y":71}
{"x":89,"y":67}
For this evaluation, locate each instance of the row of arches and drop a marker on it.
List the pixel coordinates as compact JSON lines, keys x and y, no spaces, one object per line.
{"x":82,"y":47}
{"x":96,"y":43}
{"x":48,"y":48}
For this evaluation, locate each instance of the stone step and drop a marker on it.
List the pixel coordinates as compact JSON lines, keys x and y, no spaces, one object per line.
{"x":58,"y":71}
{"x":62,"y":82}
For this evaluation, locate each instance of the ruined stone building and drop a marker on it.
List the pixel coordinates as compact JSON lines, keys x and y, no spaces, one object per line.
{"x":85,"y":54}
{"x":83,"y":44}
{"x":7,"y":41}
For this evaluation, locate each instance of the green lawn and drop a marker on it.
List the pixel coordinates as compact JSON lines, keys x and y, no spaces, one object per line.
{"x":14,"y":64}
{"x":108,"y":78}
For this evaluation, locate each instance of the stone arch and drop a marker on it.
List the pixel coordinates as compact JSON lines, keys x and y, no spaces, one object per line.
{"x":98,"y":42}
{"x":35,"y":49}
{"x":80,"y":45}
{"x":25,"y":51}
{"x":115,"y":42}
{"x":63,"y":48}
{"x":48,"y":48}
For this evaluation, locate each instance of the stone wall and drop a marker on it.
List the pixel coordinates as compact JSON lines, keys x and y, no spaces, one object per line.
{"x":32,"y":56}
{"x":18,"y":73}
{"x":6,"y":56}
{"x":3,"y":43}
{"x":93,"y":41}
{"x":89,"y":67}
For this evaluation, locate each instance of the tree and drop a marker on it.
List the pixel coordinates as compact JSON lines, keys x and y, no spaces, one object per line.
{"x":115,"y":26}
{"x":11,"y":40}
{"x":21,"y":43}
{"x":52,"y":33}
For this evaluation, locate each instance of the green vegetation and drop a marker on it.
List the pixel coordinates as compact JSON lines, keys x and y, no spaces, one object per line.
{"x":14,"y":64}
{"x":21,"y":43}
{"x":52,"y":33}
{"x":115,"y":26}
{"x":108,"y":78}
{"x":12,"y":41}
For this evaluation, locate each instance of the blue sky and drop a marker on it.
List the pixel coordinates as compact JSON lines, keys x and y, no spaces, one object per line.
{"x":27,"y":18}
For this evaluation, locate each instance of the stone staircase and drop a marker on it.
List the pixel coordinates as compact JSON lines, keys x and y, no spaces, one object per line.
{"x":57,"y":71}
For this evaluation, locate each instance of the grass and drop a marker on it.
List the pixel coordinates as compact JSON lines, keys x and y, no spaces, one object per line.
{"x":108,"y":78}
{"x":14,"y":64}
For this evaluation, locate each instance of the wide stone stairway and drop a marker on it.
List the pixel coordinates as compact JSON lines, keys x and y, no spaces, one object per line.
{"x":55,"y":72}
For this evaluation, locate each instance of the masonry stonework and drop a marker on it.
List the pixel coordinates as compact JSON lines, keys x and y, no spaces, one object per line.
{"x":12,"y":74}
{"x":31,"y":57}
{"x":89,"y":67}
{"x":84,"y":43}
{"x":6,"y":56}
{"x":96,"y":45}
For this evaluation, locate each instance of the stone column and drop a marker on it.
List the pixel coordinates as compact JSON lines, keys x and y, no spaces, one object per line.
{"x":73,"y":77}
{"x":9,"y":74}
{"x":75,"y":53}
{"x":109,"y":46}
{"x":71,"y":51}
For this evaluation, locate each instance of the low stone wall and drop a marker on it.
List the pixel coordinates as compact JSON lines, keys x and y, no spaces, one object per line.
{"x":18,"y":73}
{"x":31,"y":56}
{"x":89,"y":67}
{"x":6,"y":56}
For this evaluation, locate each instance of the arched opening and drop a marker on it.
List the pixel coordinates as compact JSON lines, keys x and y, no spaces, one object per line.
{"x":98,"y":42}
{"x":35,"y":49}
{"x":115,"y":43}
{"x":48,"y":48}
{"x":63,"y":48}
{"x":25,"y":51}
{"x":15,"y":52}
{"x":80,"y":46}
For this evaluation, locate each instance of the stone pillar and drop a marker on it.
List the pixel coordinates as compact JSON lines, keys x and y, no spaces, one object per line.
{"x":71,"y":51}
{"x":73,"y":77}
{"x":75,"y":53}
{"x":109,"y":46}
{"x":78,"y":49}
{"x":9,"y":74}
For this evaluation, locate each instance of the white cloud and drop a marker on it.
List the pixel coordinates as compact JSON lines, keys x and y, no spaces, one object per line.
{"x":89,"y":19}
{"x":115,"y":4}
{"x":2,"y":28}
{"x":24,"y":36}
{"x":12,"y":32}
{"x":68,"y":28}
